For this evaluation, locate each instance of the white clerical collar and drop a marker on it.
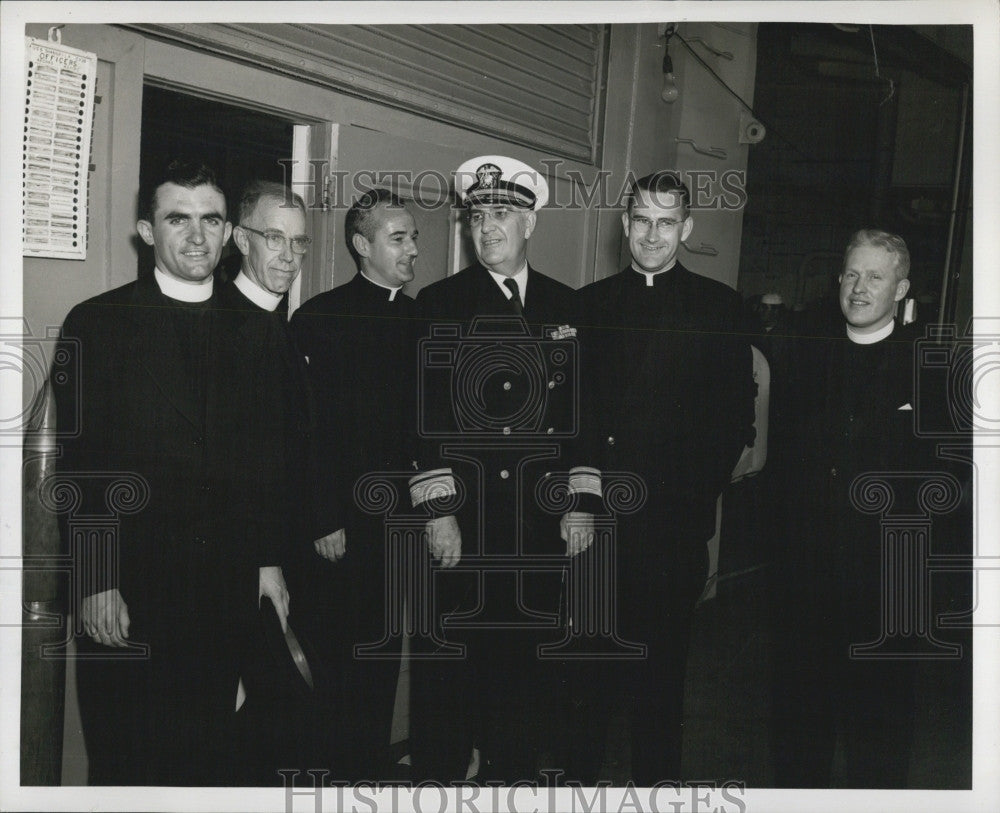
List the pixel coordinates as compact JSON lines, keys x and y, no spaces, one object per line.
{"x":650,"y":275}
{"x":183,"y":291}
{"x":871,"y":338}
{"x":392,"y":290}
{"x":521,"y":278}
{"x":265,"y":300}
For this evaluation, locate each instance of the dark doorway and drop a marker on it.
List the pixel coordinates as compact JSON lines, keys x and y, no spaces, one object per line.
{"x":240,"y":144}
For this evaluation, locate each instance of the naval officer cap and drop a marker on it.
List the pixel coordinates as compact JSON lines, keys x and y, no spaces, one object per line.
{"x":496,"y":179}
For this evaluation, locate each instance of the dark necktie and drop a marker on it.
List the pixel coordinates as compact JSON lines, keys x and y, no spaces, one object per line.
{"x":515,"y":300}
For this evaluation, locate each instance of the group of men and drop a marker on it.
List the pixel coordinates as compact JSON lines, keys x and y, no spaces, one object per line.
{"x":196,"y":393}
{"x":496,"y":411}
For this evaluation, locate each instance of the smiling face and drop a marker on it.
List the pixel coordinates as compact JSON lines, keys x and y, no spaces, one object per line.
{"x":869,"y":288}
{"x":188,"y":231}
{"x":389,"y":255}
{"x":273,"y":270}
{"x":656,"y":225}
{"x":500,"y":235}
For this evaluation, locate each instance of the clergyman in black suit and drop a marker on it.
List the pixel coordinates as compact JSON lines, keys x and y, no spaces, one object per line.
{"x":277,"y":726}
{"x":357,"y":339}
{"x":669,"y":393}
{"x":166,"y":399}
{"x":851,"y":636}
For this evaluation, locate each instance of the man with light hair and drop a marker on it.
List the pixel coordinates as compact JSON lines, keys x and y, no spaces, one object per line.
{"x":874,"y":279}
{"x":829,"y":580}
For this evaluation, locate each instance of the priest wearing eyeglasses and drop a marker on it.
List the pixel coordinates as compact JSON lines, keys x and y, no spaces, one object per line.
{"x":271,"y":237}
{"x":669,"y":396}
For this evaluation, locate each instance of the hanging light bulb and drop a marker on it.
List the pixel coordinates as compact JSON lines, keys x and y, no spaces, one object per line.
{"x":670,"y":92}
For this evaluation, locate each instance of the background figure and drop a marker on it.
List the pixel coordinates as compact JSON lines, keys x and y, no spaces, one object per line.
{"x":767,"y":492}
{"x":775,"y":340}
{"x":168,"y":391}
{"x":669,"y":395}
{"x":358,"y":340}
{"x":499,"y":696}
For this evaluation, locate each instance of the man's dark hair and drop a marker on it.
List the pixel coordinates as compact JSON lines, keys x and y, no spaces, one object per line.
{"x":361,"y":220}
{"x":659,"y":183}
{"x":186,"y":172}
{"x":254,"y":191}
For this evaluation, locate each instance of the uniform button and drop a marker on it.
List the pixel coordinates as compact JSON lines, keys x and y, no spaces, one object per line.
{"x":506,"y":430}
{"x":506,"y":385}
{"x":611,"y":440}
{"x":549,"y":431}
{"x":833,"y":472}
{"x":552,"y":385}
{"x":504,"y":474}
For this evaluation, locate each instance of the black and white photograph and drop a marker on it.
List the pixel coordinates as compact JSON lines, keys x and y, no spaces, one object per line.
{"x":500,"y":406}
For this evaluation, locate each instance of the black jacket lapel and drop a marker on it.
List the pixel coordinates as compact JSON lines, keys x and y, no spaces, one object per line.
{"x":158,"y":350}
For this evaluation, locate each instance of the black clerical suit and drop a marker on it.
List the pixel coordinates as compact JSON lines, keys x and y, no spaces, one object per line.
{"x":498,"y":406}
{"x":668,"y":395}
{"x":361,"y":361}
{"x":276,"y":726}
{"x":174,"y":395}
{"x":828,"y":576}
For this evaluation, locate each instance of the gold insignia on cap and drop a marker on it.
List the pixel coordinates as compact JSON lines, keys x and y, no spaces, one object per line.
{"x":488,"y":176}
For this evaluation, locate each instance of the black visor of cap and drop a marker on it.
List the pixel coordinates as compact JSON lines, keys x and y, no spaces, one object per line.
{"x":501,"y":192}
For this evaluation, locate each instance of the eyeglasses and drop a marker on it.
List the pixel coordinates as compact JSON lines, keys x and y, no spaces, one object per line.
{"x":663,"y":225}
{"x":276,"y":241}
{"x":479,"y":216}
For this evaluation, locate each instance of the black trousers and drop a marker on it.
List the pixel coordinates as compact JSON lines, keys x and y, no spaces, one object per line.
{"x":484,"y":685}
{"x":660,"y":575}
{"x":869,"y":705}
{"x":168,"y":719}
{"x":822,"y":695}
{"x":370,"y":646}
{"x":350,"y":613}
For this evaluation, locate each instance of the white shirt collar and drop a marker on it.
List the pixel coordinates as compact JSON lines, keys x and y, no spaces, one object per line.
{"x":183,"y":291}
{"x":650,"y":275}
{"x":871,"y":338}
{"x":265,"y":300}
{"x":392,"y":290}
{"x":521,"y":278}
